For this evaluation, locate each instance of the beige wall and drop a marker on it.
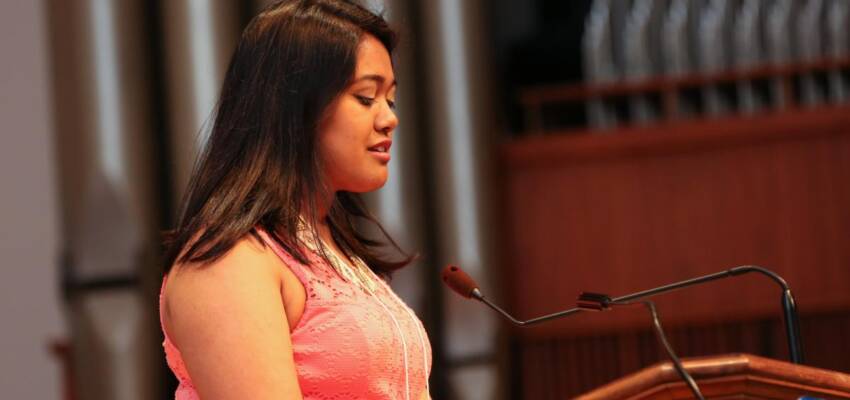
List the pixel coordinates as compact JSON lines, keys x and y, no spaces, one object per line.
{"x":29,"y":300}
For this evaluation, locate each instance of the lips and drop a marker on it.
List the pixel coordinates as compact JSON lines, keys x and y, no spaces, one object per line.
{"x":381,"y":151}
{"x":382,"y":147}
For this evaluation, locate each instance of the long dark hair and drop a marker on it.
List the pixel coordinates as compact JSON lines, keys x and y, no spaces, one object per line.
{"x":259,"y":167}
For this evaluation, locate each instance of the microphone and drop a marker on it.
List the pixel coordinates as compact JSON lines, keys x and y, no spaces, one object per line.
{"x":464,"y":285}
{"x":460,"y":282}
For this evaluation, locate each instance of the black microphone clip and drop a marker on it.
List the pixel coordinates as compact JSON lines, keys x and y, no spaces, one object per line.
{"x":593,"y":301}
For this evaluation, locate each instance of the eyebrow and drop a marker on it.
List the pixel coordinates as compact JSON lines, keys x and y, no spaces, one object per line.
{"x":377,"y":78}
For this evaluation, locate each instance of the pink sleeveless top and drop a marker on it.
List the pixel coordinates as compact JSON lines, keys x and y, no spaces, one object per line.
{"x":348,"y":344}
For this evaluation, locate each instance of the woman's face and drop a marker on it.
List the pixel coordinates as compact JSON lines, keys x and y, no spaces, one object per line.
{"x":356,"y":132}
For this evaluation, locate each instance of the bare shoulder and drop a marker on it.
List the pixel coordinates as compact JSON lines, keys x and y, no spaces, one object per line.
{"x":249,"y":264}
{"x":227,"y":315}
{"x":246,"y":262}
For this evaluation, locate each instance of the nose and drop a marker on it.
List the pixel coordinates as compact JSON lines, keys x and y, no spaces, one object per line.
{"x":387,"y":121}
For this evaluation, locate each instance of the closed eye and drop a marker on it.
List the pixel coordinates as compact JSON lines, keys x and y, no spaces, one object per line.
{"x":366,"y":101}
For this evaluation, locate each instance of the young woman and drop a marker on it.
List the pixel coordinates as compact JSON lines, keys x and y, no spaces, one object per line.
{"x":271,"y":291}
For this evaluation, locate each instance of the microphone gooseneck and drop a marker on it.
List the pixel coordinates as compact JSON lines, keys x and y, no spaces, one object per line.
{"x":464,"y":285}
{"x":789,"y":311}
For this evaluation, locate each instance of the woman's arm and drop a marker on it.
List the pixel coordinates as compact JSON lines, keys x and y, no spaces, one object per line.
{"x":229,"y":323}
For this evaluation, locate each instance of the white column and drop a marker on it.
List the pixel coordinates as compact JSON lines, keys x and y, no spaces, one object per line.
{"x":199,"y":39}
{"x":462,"y":138}
{"x":101,"y":76}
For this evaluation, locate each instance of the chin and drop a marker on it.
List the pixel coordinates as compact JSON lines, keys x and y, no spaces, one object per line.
{"x":377,"y":184}
{"x":369,"y":184}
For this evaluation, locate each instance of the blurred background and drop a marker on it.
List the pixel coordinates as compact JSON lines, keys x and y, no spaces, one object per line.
{"x":548,"y":147}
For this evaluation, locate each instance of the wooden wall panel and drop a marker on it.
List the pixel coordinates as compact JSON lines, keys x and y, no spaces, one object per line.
{"x":648,"y":206}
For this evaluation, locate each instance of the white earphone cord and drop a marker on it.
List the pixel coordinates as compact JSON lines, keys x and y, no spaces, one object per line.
{"x":350,"y":275}
{"x":419,"y":329}
{"x":404,"y":342}
{"x":403,"y":346}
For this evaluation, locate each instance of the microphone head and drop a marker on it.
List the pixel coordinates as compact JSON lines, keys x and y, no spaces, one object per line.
{"x":459,"y":281}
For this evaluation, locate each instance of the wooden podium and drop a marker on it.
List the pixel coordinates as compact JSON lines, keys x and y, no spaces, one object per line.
{"x":733,"y":376}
